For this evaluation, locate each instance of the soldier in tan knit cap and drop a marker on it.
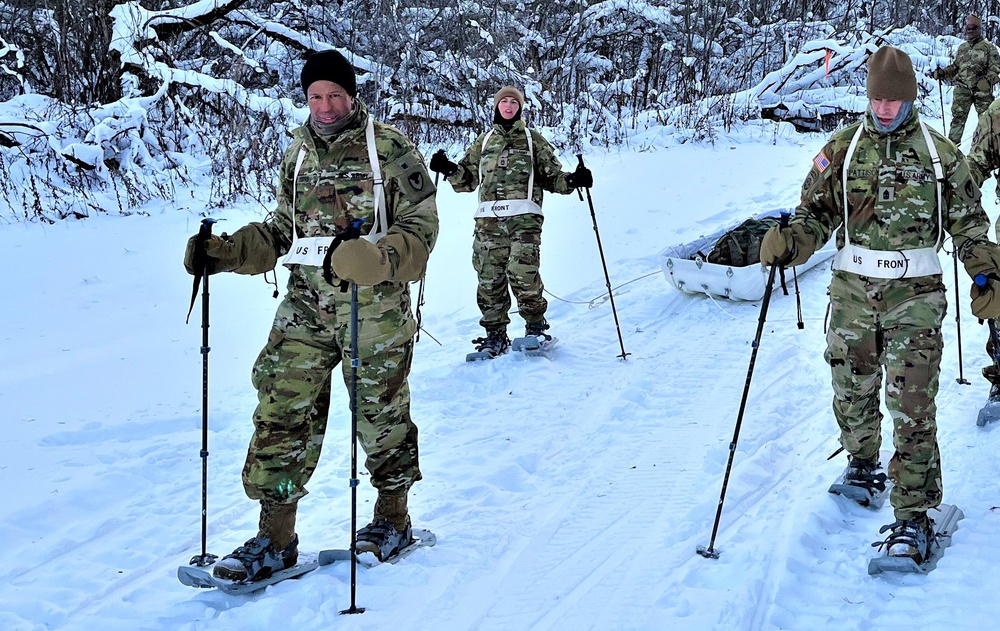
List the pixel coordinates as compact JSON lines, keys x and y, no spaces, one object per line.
{"x":891,"y":188}
{"x":511,"y":165}
{"x":974,"y":71}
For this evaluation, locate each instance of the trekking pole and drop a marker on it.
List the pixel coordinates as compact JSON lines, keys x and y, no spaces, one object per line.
{"x":352,"y":231}
{"x":798,"y":300}
{"x":354,"y":452}
{"x":958,"y":318}
{"x":607,"y":278}
{"x":710,"y":552}
{"x":201,"y":263}
{"x":420,"y":286}
{"x":944,"y":125}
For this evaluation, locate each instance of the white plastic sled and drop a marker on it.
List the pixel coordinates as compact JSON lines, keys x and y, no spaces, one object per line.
{"x":686,"y":269}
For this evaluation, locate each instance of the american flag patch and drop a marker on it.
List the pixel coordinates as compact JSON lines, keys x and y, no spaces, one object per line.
{"x":821,"y":162}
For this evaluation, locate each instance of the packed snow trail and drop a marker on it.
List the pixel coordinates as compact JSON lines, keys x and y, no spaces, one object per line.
{"x":565,"y":493}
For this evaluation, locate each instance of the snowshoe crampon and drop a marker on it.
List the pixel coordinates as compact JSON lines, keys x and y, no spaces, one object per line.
{"x":911,"y":548}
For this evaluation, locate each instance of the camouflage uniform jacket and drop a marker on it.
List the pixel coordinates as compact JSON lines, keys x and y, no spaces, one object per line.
{"x":505,"y":166}
{"x":892,"y":191}
{"x":334,"y":186}
{"x":976,"y":59}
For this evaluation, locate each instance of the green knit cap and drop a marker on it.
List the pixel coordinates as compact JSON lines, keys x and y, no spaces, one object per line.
{"x":891,"y":76}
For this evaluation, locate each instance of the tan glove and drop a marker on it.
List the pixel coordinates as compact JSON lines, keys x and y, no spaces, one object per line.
{"x":985,"y":302}
{"x":249,"y":250}
{"x":984,"y":259}
{"x":791,"y":245}
{"x":984,"y":86}
{"x":362,"y":262}
{"x":219,"y":250}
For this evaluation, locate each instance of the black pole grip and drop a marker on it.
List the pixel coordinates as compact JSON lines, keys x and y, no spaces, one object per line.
{"x":351,"y":232}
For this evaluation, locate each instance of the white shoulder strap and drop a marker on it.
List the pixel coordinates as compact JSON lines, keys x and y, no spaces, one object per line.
{"x":938,"y":179}
{"x":295,"y":185}
{"x":381,"y":226}
{"x":847,"y":168}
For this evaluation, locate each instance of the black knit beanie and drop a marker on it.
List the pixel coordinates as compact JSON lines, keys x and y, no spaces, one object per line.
{"x":891,"y":76}
{"x":329,"y":65}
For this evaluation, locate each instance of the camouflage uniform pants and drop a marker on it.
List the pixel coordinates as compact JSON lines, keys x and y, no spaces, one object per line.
{"x":292,"y":376}
{"x":893,"y":325}
{"x":961,"y":103}
{"x":506,"y":253}
{"x":991,"y":372}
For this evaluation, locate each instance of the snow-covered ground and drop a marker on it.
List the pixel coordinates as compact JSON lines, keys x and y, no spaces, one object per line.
{"x":568,"y":493}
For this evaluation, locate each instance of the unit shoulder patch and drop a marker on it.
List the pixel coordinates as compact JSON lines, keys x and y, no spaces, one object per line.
{"x":410,"y":175}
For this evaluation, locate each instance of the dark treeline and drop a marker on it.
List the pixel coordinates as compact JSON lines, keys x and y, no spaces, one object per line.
{"x":185,"y":79}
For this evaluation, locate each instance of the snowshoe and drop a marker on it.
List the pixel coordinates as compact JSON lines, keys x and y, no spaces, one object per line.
{"x":382,"y":539}
{"x":863,"y":482}
{"x":916,"y":545}
{"x":493,"y":345}
{"x":990,"y":412}
{"x":255,"y":560}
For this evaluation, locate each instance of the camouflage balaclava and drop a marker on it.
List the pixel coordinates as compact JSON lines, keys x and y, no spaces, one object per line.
{"x":506,"y":91}
{"x":891,"y":76}
{"x":973,"y":27}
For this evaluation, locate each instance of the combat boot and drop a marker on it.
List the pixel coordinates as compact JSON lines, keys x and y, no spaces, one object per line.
{"x":276,"y":547}
{"x":495,"y":343}
{"x":866,"y":474}
{"x":390,"y":530}
{"x":909,"y":538}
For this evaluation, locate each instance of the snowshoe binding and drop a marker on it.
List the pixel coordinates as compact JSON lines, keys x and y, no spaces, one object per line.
{"x":255,"y":560}
{"x":535,"y":341}
{"x":863,"y":482}
{"x":493,"y":345}
{"x":909,"y":541}
{"x":916,"y":545}
{"x":383,"y":539}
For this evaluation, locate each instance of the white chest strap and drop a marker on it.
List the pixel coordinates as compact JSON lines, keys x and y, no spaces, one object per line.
{"x":381,"y":226}
{"x":531,"y":159}
{"x":938,"y":179}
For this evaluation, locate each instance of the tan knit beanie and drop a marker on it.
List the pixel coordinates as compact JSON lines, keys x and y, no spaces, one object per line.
{"x":508,"y":90}
{"x":891,"y":76}
{"x":973,"y":25}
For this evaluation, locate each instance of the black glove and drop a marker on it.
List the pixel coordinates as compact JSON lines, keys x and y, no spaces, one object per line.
{"x":936,"y":74}
{"x":581,"y":178}
{"x":441,"y":164}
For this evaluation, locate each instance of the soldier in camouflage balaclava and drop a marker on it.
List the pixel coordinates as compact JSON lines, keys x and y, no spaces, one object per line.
{"x":327,"y":182}
{"x":974,"y":71}
{"x":511,"y":165}
{"x":887,"y":294}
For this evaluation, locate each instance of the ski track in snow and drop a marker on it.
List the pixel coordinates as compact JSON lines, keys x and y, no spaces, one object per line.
{"x":568,"y":493}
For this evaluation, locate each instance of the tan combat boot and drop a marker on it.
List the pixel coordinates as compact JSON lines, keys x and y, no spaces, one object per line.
{"x":276,"y":546}
{"x":390,"y":528}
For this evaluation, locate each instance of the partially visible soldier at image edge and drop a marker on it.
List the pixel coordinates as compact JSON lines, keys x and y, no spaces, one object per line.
{"x":984,"y":161}
{"x":974,"y":71}
{"x":329,"y":177}
{"x":887,"y":293}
